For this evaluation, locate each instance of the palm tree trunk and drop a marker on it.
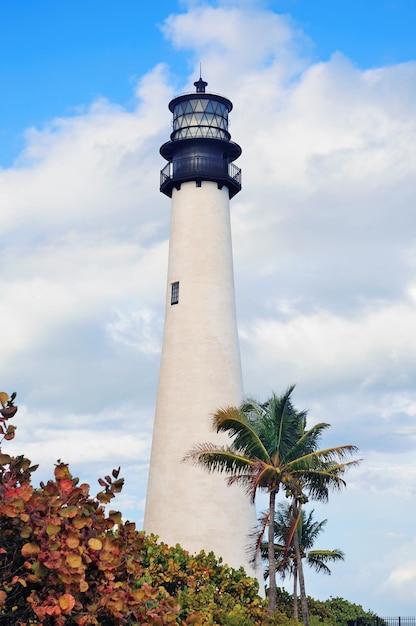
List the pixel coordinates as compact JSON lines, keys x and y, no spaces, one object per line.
{"x":295,"y":593}
{"x":271,"y":557}
{"x":302,"y":590}
{"x":303,"y":598}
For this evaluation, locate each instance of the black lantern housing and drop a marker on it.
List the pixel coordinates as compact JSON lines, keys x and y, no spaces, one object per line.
{"x":200,"y":146}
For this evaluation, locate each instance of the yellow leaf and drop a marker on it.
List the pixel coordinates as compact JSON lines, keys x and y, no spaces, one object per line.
{"x":83,"y":586}
{"x":30,"y":549}
{"x":65,"y":578}
{"x":139,"y":594}
{"x":68,"y":511}
{"x":52,"y":529}
{"x":95,"y":544}
{"x":10,"y":432}
{"x":62,"y":471}
{"x":79,"y":522}
{"x":74,"y":560}
{"x":115,"y":516}
{"x":3,"y":397}
{"x":67,"y":602}
{"x":26,"y":531}
{"x":72,"y":541}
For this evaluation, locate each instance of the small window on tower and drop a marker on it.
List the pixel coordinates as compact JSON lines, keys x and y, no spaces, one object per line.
{"x":174,"y":298}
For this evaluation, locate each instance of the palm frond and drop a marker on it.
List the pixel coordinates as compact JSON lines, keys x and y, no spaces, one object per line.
{"x":222,"y":459}
{"x":311,"y":529}
{"x":318,"y":559}
{"x":284,"y":422}
{"x":329,"y":476}
{"x":307,"y":441}
{"x":257,"y":538}
{"x":328,"y":555}
{"x":315,"y":458}
{"x":242,"y":429}
{"x":248,"y":481}
{"x":295,"y":525}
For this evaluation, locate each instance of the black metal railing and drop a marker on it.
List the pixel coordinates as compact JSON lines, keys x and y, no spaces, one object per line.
{"x":200,"y":168}
{"x":383,"y":621}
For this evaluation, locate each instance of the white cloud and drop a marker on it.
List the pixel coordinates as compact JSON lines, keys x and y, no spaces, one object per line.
{"x":219,"y":32}
{"x":137,"y":330}
{"x":365,"y":350}
{"x":405,"y":573}
{"x":400,"y":573}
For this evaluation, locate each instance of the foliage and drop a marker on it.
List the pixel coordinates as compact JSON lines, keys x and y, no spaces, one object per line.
{"x":332,"y":612}
{"x":284,"y":601}
{"x":320,"y":613}
{"x":207,"y":591}
{"x":342,"y":611}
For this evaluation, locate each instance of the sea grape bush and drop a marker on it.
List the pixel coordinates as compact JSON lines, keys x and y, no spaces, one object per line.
{"x":66,"y":561}
{"x":207,"y":591}
{"x":63,"y":559}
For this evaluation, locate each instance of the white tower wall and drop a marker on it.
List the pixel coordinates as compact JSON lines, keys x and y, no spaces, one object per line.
{"x":200,"y":372}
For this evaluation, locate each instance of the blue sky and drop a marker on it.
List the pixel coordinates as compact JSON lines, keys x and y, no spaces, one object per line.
{"x":323,"y":238}
{"x":56,"y":56}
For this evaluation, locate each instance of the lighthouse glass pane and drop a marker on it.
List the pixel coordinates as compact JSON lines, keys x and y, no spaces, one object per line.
{"x":207,"y":118}
{"x":199,"y":106}
{"x":174,"y":298}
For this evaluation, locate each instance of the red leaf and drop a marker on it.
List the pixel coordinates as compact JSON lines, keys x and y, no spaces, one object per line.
{"x":52,"y":610}
{"x":65,"y":485}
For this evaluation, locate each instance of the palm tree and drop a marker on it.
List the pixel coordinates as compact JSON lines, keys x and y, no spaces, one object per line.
{"x":307,"y":531}
{"x":271,"y":448}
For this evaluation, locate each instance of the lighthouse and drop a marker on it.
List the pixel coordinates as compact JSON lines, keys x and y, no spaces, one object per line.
{"x":200,"y":369}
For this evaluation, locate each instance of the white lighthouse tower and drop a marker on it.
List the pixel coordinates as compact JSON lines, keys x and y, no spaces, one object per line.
{"x":200,"y":368}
